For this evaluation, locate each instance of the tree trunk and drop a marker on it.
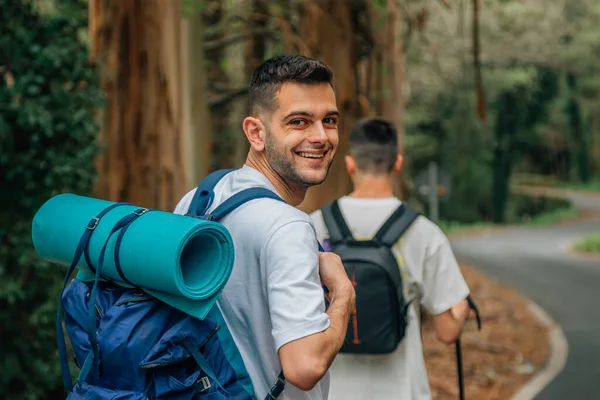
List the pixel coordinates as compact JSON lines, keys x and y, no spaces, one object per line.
{"x":256,"y":29}
{"x":393,"y":106}
{"x":578,"y":134}
{"x":477,"y":64}
{"x":246,"y":57}
{"x":197,"y":126}
{"x":505,"y":131}
{"x":326,"y":30}
{"x":218,"y":84}
{"x":138,"y":43}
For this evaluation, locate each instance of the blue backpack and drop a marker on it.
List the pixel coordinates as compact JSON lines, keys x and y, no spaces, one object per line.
{"x":129,"y":345}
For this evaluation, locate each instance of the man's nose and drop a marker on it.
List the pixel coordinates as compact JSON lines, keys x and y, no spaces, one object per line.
{"x":318,"y":133}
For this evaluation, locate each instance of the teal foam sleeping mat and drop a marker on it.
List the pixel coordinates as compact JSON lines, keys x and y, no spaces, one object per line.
{"x":183,"y":261}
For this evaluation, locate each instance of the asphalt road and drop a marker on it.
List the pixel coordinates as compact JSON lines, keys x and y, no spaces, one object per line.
{"x":536,"y":263}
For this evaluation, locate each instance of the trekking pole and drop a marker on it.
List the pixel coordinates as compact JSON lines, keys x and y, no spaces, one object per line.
{"x":459,"y":363}
{"x":461,"y":387}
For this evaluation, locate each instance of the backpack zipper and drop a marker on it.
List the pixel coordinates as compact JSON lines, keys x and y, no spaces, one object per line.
{"x":100,"y":313}
{"x":355,"y":339}
{"x":133,"y":300}
{"x":142,"y":297}
{"x":185,"y":357}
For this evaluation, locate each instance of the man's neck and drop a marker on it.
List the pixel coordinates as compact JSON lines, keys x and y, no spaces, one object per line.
{"x":292,"y":196}
{"x":372,"y":187}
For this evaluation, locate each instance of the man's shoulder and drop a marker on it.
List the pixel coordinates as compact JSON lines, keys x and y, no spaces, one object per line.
{"x":185,"y":202}
{"x":425,"y":232}
{"x":272,"y":212}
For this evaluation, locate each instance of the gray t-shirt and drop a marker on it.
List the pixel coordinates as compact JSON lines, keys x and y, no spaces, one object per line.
{"x":274,"y":295}
{"x":431,"y":277}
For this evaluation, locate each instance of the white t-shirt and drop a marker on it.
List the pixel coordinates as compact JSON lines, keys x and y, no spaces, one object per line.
{"x":274,"y":294}
{"x":431,"y":277}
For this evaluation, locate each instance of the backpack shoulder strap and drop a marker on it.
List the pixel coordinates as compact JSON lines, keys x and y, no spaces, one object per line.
{"x":335,"y":223}
{"x":241,"y":198}
{"x":204,"y":193}
{"x":221,"y":211}
{"x":396,"y":225}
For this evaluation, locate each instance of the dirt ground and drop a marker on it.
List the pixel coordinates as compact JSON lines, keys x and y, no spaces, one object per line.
{"x":497,"y":360}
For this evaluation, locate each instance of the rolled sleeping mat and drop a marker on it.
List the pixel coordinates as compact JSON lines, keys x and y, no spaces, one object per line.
{"x":181,"y":260}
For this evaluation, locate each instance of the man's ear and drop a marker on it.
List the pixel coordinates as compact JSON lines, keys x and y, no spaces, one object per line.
{"x":256,"y":132}
{"x":350,"y":165}
{"x":398,"y":163}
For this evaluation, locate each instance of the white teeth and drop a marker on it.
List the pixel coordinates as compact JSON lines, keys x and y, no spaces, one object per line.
{"x":310,"y":155}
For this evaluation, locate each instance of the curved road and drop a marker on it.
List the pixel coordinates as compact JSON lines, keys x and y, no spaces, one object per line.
{"x":536,"y":263}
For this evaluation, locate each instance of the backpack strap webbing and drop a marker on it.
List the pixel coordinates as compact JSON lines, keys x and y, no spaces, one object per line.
{"x":79,"y":251}
{"x":396,"y":225}
{"x":335,"y":223}
{"x":204,"y":194}
{"x":240,"y":198}
{"x":200,"y":204}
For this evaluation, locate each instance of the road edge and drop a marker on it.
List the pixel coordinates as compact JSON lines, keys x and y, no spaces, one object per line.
{"x":559,"y":350}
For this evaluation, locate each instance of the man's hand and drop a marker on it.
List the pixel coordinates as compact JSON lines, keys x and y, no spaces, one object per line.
{"x":460,"y":311}
{"x":449,"y":324}
{"x":334,"y":277}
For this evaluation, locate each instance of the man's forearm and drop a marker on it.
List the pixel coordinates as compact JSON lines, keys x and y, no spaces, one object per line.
{"x":306,"y":360}
{"x":342,"y":304}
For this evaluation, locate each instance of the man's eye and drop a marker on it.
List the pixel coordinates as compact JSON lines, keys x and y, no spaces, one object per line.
{"x":330,"y":121}
{"x":297,"y":122}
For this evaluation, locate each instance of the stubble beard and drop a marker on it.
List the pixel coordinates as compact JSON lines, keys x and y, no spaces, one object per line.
{"x":283,"y":164}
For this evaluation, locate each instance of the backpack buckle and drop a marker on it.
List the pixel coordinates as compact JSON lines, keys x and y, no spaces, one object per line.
{"x":205,"y":383}
{"x":140,"y":211}
{"x":93,"y":223}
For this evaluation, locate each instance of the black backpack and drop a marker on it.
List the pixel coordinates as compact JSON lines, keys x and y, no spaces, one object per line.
{"x":378,"y":323}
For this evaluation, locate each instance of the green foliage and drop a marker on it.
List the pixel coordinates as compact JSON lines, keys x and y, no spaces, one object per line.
{"x":536,"y":122}
{"x":590,"y":244}
{"x":190,"y":8}
{"x":48,"y":98}
{"x":519,"y":111}
{"x":522,"y":209}
{"x":454,"y":228}
{"x":560,"y":214}
{"x":591,"y":186}
{"x":447,"y":130}
{"x":538,"y":209}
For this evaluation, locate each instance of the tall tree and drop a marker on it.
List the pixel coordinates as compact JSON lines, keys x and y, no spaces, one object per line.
{"x":214,"y":15}
{"x":477,"y":62}
{"x":578,"y":134}
{"x":245,"y":57}
{"x":138,"y":44}
{"x":395,"y":60}
{"x":197,"y":126}
{"x":328,"y":29}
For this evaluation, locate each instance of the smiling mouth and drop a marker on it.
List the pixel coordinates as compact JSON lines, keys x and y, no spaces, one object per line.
{"x":311,"y":155}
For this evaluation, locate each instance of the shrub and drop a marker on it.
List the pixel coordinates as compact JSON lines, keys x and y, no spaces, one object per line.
{"x":48,"y":98}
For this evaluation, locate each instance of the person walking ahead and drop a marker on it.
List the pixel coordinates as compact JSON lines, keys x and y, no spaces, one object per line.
{"x":429,"y":275}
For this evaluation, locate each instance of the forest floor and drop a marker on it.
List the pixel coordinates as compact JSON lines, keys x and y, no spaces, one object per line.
{"x":499,"y":359}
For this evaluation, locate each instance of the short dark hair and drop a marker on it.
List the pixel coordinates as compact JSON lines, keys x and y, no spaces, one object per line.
{"x":272,"y":73}
{"x":374,"y":145}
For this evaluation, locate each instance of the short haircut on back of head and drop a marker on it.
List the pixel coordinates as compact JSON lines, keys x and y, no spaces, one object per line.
{"x":374,"y":145}
{"x":271,"y":74}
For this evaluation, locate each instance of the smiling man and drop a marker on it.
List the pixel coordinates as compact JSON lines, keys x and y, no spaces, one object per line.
{"x":273,"y":302}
